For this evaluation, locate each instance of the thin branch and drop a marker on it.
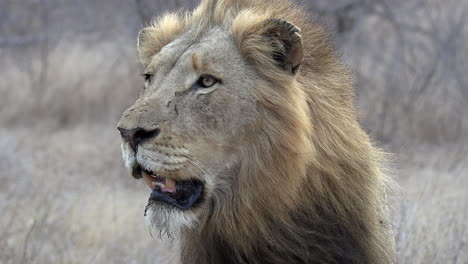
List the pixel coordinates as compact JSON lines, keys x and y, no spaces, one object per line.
{"x":442,"y":50}
{"x":15,"y":41}
{"x":26,"y":242}
{"x":44,"y":49}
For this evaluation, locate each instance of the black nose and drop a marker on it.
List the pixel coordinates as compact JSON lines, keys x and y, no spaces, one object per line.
{"x":137,"y":135}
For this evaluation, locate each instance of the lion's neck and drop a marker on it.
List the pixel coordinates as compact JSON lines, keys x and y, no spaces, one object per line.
{"x":301,"y":237}
{"x":309,"y":245}
{"x":198,"y":248}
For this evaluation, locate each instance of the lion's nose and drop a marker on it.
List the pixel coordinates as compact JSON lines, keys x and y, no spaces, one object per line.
{"x":137,"y":135}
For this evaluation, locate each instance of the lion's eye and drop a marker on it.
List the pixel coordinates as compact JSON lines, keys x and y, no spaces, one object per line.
{"x":207,"y":81}
{"x":148,"y":77}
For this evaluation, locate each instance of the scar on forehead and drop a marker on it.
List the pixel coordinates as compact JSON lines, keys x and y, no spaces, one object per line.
{"x":196,"y":62}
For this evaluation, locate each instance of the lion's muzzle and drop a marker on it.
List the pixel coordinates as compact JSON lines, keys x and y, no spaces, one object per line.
{"x":137,"y":135}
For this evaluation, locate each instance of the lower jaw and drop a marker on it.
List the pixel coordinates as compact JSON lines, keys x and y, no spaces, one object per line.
{"x":165,"y":221}
{"x":182,"y":202}
{"x":182,"y":194}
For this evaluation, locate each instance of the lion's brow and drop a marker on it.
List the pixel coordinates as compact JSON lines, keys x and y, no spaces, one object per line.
{"x":196,"y":62}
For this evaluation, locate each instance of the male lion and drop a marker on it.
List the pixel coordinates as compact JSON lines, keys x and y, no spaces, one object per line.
{"x":247,"y":135}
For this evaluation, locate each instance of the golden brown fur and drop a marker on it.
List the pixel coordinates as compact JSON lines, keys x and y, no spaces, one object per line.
{"x":309,"y":185}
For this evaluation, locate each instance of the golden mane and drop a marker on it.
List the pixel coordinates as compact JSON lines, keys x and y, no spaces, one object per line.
{"x":310,"y":143}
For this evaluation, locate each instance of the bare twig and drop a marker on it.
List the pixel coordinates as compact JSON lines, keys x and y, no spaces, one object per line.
{"x":44,"y":49}
{"x":26,"y":242}
{"x":15,"y":41}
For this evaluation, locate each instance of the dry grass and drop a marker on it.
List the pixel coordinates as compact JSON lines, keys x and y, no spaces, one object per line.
{"x":431,"y":213}
{"x":71,"y":202}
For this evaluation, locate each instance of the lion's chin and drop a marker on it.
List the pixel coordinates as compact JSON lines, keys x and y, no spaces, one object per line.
{"x":168,"y":221}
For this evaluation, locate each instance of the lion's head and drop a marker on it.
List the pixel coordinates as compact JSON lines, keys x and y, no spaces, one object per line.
{"x":245,"y":117}
{"x":206,"y":112}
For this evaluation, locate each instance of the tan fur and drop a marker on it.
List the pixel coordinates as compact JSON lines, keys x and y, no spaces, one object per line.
{"x":159,"y":34}
{"x":307,"y":183}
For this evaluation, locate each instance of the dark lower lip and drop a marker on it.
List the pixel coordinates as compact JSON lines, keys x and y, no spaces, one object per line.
{"x":188,"y":194}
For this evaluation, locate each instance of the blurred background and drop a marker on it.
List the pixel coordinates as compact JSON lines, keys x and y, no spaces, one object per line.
{"x":69,"y":68}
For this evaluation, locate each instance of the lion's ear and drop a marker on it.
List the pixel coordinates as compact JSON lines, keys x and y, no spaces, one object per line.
{"x":145,"y":50}
{"x":286,"y":42}
{"x":153,"y":38}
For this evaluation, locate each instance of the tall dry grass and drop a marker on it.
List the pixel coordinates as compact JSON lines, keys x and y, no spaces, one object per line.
{"x":65,"y":198}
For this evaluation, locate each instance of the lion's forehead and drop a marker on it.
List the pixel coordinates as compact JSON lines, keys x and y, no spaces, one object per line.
{"x":214,"y":44}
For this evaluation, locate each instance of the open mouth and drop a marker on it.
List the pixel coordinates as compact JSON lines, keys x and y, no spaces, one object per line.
{"x":181,"y":194}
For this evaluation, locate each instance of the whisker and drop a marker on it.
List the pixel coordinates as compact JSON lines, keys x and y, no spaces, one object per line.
{"x":205,"y":169}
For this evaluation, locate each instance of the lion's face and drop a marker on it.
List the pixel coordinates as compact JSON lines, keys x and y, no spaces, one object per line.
{"x":183,"y":134}
{"x":219,"y":111}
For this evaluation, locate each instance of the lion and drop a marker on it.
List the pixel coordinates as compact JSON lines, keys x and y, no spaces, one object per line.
{"x":247,"y":135}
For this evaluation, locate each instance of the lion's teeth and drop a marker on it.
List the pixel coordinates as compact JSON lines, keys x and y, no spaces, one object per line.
{"x":166,"y":185}
{"x":159,"y":184}
{"x":170,"y":186}
{"x":148,"y":180}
